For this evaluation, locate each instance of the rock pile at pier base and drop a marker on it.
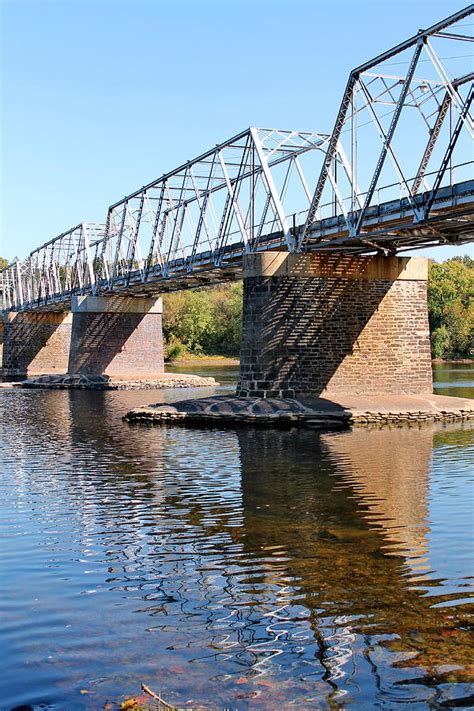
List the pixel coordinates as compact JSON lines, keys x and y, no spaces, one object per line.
{"x":316,"y":413}
{"x":105,"y":382}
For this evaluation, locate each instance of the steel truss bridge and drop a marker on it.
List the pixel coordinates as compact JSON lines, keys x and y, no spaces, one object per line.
{"x":396,"y":173}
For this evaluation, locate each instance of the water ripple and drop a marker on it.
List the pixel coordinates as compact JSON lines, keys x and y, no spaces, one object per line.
{"x":249,"y":569}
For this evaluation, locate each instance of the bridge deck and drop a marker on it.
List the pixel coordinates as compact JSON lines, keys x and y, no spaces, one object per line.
{"x":388,"y":227}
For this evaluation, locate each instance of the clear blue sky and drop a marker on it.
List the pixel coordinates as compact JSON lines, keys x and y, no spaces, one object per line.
{"x":101,"y":96}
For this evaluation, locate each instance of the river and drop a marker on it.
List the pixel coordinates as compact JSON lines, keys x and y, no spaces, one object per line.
{"x":241,"y":569}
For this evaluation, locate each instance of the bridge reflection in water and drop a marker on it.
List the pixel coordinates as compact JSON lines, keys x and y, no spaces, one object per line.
{"x":267,"y":567}
{"x":348,"y":513}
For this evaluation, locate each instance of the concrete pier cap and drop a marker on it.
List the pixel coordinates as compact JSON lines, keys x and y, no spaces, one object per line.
{"x":312,"y":264}
{"x":116,"y":304}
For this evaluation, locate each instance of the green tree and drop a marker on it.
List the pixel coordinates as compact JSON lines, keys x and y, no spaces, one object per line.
{"x":205,"y":321}
{"x":451,"y":307}
{"x":3,"y":263}
{"x":226,"y":308}
{"x":439,"y":341}
{"x":187,"y":319}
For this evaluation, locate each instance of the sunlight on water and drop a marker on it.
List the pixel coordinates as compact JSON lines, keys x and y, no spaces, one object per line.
{"x":245,"y":569}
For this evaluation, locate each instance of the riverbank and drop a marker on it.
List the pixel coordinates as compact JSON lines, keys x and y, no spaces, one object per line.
{"x":204,"y":360}
{"x":453,"y":361}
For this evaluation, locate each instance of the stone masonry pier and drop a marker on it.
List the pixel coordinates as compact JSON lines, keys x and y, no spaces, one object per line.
{"x":104,"y":343}
{"x":318,"y":325}
{"x":117,"y":336}
{"x":36,"y":342}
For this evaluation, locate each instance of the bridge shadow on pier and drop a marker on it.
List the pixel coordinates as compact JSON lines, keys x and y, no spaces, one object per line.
{"x":116,"y":343}
{"x":36,"y":342}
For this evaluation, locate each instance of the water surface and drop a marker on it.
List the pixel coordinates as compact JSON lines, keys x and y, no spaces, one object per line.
{"x":244,"y":569}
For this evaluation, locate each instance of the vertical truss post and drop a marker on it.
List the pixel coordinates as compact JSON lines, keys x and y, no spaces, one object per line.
{"x":87,"y":250}
{"x":9,"y":289}
{"x":3,"y":289}
{"x":104,"y":270}
{"x":132,"y":247}
{"x":178,"y":218}
{"x":355,"y":190}
{"x":233,"y":200}
{"x":78,"y":265}
{"x":156,"y":224}
{"x":273,"y":192}
{"x":388,"y":138}
{"x":225,"y":218}
{"x":43,"y":278}
{"x":20,"y":285}
{"x":11,"y":286}
{"x":26,"y":280}
{"x":114,"y":271}
{"x":202,"y":212}
{"x":332,"y":176}
{"x":449,"y":151}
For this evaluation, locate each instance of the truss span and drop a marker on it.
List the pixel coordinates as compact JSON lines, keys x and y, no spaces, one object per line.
{"x":396,"y":173}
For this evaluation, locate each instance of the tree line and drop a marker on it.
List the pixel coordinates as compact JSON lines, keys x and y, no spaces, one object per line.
{"x":205,"y":321}
{"x":208,"y":321}
{"x":451,"y":308}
